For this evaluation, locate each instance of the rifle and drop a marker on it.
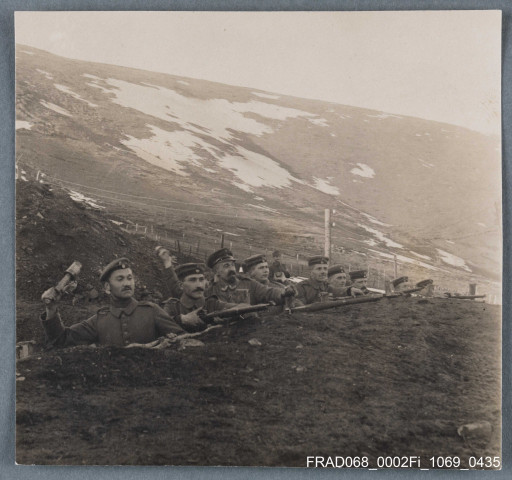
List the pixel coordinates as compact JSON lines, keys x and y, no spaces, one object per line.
{"x":464,"y":297}
{"x":233,"y":312}
{"x":315,"y":307}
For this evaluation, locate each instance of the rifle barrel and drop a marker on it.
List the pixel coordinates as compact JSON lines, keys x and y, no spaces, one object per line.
{"x":315,"y":307}
{"x":237,"y":311}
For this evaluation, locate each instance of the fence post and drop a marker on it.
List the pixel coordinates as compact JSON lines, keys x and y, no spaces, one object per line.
{"x":179,"y":246}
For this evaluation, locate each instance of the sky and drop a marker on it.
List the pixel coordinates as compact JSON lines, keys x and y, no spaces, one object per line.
{"x":437,"y":65}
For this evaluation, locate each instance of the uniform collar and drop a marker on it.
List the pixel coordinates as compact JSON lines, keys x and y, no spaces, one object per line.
{"x":188,"y":302}
{"x":117,"y":308}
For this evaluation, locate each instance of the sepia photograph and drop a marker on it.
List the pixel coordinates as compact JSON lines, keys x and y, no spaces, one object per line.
{"x":259,"y":239}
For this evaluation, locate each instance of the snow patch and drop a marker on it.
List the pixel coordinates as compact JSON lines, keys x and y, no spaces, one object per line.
{"x":27,"y":52}
{"x":183,"y":82}
{"x":215,"y":116}
{"x":262,"y":207}
{"x":178,"y":149}
{"x":321,"y":122}
{"x":381,"y":237}
{"x":65,"y":89}
{"x":482,"y":224}
{"x":55,"y":108}
{"x":266,"y":95}
{"x":453,"y":260}
{"x":78,"y":197}
{"x":88,"y":75}
{"x":256,"y":170}
{"x":377,"y":222}
{"x":23,"y":125}
{"x":384,"y":115}
{"x":323,"y":186}
{"x":426,"y":257}
{"x":371,"y":242}
{"x":169,"y":150}
{"x":46,"y":74}
{"x":363,"y":170}
{"x":450,"y":242}
{"x":333,"y":134}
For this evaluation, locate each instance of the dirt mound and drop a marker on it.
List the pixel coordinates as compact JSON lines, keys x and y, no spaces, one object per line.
{"x":392,"y":378}
{"x":52,"y":231}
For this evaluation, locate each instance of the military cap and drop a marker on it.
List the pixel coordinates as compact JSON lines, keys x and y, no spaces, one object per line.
{"x":358,"y":274}
{"x":114,"y":265}
{"x":399,"y":281}
{"x":424,"y":283}
{"x":189,"y":269}
{"x":317,"y":259}
{"x":219,"y":256}
{"x":158,"y":249}
{"x":335,"y":270}
{"x":252,"y":261}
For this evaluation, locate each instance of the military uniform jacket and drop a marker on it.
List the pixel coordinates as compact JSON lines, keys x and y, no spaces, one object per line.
{"x":176,"y":307}
{"x":173,"y":283}
{"x":137,"y":322}
{"x":308,"y":291}
{"x":245,"y":290}
{"x":338,"y":292}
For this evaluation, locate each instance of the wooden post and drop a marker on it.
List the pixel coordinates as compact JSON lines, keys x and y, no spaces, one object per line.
{"x":136,"y":228}
{"x":197,"y":248}
{"x":327,"y":246}
{"x":472,"y":288}
{"x":222,"y":241}
{"x":396,"y":266}
{"x":230,"y":245}
{"x":179,"y":246}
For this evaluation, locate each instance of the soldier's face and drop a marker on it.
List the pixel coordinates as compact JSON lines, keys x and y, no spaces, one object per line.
{"x":194,"y":286}
{"x":319,"y":272}
{"x":121,"y":284}
{"x":226,"y":271}
{"x":338,"y":280}
{"x":359,"y":282}
{"x":260,"y":272}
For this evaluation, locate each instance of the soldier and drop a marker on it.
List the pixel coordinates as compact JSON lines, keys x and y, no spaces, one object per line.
{"x":192,"y":305}
{"x":337,"y":279}
{"x":239,"y":288}
{"x":316,"y":288}
{"x":359,"y":279}
{"x":256,"y":267}
{"x":277,"y":266}
{"x":125,"y":321}
{"x":400,"y":284}
{"x":170,"y":278}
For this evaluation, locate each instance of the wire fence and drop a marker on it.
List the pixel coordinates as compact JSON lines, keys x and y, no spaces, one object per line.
{"x":295,"y":246}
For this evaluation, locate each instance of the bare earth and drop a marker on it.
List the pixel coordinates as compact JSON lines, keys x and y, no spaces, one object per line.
{"x":396,"y":377}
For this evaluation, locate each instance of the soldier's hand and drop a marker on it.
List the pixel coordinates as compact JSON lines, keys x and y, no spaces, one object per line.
{"x":289,"y":291}
{"x":192,"y":319}
{"x":167,"y":259}
{"x":356,"y":292}
{"x":50,"y":296}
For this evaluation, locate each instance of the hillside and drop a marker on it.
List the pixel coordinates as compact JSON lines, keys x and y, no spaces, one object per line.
{"x":232,"y":157}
